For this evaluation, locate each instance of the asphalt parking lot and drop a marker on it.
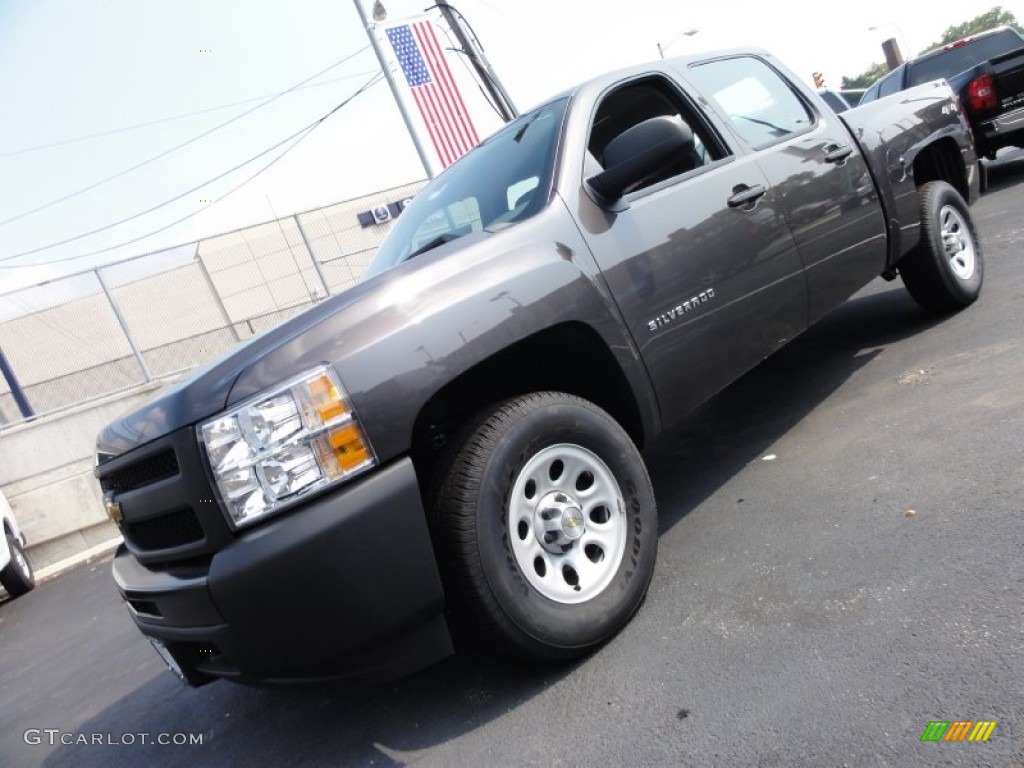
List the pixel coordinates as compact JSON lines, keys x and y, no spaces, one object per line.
{"x":840,"y":564}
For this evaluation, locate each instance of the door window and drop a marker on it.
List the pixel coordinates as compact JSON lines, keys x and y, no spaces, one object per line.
{"x":641,"y":100}
{"x":761,"y":105}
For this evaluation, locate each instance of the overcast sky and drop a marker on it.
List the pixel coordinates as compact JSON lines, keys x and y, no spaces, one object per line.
{"x":75,"y":68}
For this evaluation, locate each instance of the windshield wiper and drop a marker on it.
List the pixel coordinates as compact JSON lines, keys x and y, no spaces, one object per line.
{"x":444,"y":237}
{"x":522,"y":131}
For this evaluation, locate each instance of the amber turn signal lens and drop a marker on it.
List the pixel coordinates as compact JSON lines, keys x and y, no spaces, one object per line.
{"x":326,"y":398}
{"x":350,"y":449}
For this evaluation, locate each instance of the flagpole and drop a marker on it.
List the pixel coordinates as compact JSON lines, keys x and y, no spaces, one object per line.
{"x":420,"y":149}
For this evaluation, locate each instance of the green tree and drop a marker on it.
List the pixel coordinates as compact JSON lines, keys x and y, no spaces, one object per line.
{"x":992,"y":18}
{"x":865,"y":78}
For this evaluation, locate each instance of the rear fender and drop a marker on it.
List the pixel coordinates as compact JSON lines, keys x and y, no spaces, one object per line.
{"x":893,"y":132}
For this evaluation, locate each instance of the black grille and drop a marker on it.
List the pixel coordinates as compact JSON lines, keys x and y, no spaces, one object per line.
{"x":157,"y":467}
{"x":164,"y":532}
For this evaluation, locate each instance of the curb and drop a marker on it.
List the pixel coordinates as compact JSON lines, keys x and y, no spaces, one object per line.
{"x":50,"y":571}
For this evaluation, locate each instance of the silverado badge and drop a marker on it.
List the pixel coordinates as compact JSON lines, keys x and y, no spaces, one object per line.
{"x":681,"y":309}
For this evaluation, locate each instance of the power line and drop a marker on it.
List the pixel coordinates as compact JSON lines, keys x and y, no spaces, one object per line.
{"x":193,"y":189}
{"x":175,"y":148}
{"x":300,"y":134}
{"x":172,"y":118}
{"x":476,"y":79}
{"x":475,"y":51}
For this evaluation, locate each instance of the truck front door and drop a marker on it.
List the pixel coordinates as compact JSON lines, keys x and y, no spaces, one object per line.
{"x":701,"y":261}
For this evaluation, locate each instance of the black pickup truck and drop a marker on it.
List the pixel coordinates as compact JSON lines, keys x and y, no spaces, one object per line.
{"x":986,"y":71}
{"x":451,"y":448}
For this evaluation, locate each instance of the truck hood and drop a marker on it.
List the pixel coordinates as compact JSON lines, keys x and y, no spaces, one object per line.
{"x":208,"y":390}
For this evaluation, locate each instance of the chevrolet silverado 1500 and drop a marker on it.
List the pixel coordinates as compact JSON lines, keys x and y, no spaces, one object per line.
{"x":452,"y":446}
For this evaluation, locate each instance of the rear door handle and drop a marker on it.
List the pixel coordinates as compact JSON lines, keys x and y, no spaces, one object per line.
{"x":742,"y":195}
{"x":836,"y":153}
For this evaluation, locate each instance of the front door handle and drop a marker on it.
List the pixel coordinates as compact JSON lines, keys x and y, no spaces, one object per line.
{"x":836,"y":153}
{"x":743,"y":195}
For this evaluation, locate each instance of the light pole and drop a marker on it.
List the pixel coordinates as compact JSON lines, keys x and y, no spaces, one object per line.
{"x":677,"y":38}
{"x":379,"y":14}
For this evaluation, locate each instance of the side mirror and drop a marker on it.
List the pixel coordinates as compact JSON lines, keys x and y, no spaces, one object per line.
{"x":638,"y":153}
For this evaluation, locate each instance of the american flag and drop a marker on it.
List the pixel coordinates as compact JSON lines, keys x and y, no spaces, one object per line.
{"x":433,"y":88}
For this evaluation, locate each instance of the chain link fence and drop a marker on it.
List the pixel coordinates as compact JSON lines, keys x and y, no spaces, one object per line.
{"x":106,"y":330}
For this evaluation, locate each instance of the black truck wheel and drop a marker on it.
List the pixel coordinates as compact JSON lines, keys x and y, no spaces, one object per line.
{"x":944,"y":273}
{"x":549,"y":526}
{"x":17,"y":577}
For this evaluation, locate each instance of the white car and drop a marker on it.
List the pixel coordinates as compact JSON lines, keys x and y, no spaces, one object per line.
{"x":15,"y":572}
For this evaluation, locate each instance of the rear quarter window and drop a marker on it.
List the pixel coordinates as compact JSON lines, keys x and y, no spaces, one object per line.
{"x":890,"y":84}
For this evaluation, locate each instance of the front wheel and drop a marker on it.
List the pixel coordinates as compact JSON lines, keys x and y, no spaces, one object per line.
{"x":17,"y":577}
{"x":944,"y":273}
{"x":550,"y":526}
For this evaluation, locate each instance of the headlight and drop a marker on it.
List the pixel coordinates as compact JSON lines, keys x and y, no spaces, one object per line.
{"x":283,"y":444}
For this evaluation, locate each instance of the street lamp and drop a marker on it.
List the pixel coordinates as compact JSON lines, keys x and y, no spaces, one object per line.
{"x":379,"y":14}
{"x":677,"y":38}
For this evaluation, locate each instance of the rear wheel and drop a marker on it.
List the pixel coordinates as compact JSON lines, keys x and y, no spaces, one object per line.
{"x":944,"y":273}
{"x":17,"y":577}
{"x":549,"y":525}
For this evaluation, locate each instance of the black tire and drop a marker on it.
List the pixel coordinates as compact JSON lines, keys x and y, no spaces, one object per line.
{"x":945,"y":272}
{"x":487,"y":528}
{"x":17,"y":577}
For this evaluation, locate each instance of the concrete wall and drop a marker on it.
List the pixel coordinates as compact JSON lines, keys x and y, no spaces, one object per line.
{"x":46,"y":474}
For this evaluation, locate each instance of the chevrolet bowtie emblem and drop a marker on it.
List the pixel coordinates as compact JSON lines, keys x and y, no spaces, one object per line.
{"x":114,"y":510}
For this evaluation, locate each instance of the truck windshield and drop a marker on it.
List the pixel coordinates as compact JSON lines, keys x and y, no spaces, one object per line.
{"x":503,"y":180}
{"x":953,"y":61}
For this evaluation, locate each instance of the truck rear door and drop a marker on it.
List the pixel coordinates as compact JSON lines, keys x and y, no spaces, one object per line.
{"x":813,"y":162}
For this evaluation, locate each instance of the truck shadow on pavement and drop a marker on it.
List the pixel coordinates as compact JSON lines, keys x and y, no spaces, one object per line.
{"x":400,"y":722}
{"x":691,"y":461}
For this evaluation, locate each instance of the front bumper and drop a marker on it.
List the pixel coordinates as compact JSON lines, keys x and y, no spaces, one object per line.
{"x":344,"y":586}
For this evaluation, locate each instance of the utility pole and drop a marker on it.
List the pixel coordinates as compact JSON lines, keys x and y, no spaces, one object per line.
{"x":502,"y":101}
{"x":420,"y":149}
{"x":893,"y":55}
{"x":891,"y":46}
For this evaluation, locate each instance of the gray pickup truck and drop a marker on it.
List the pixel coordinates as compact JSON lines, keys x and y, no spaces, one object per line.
{"x":451,"y":448}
